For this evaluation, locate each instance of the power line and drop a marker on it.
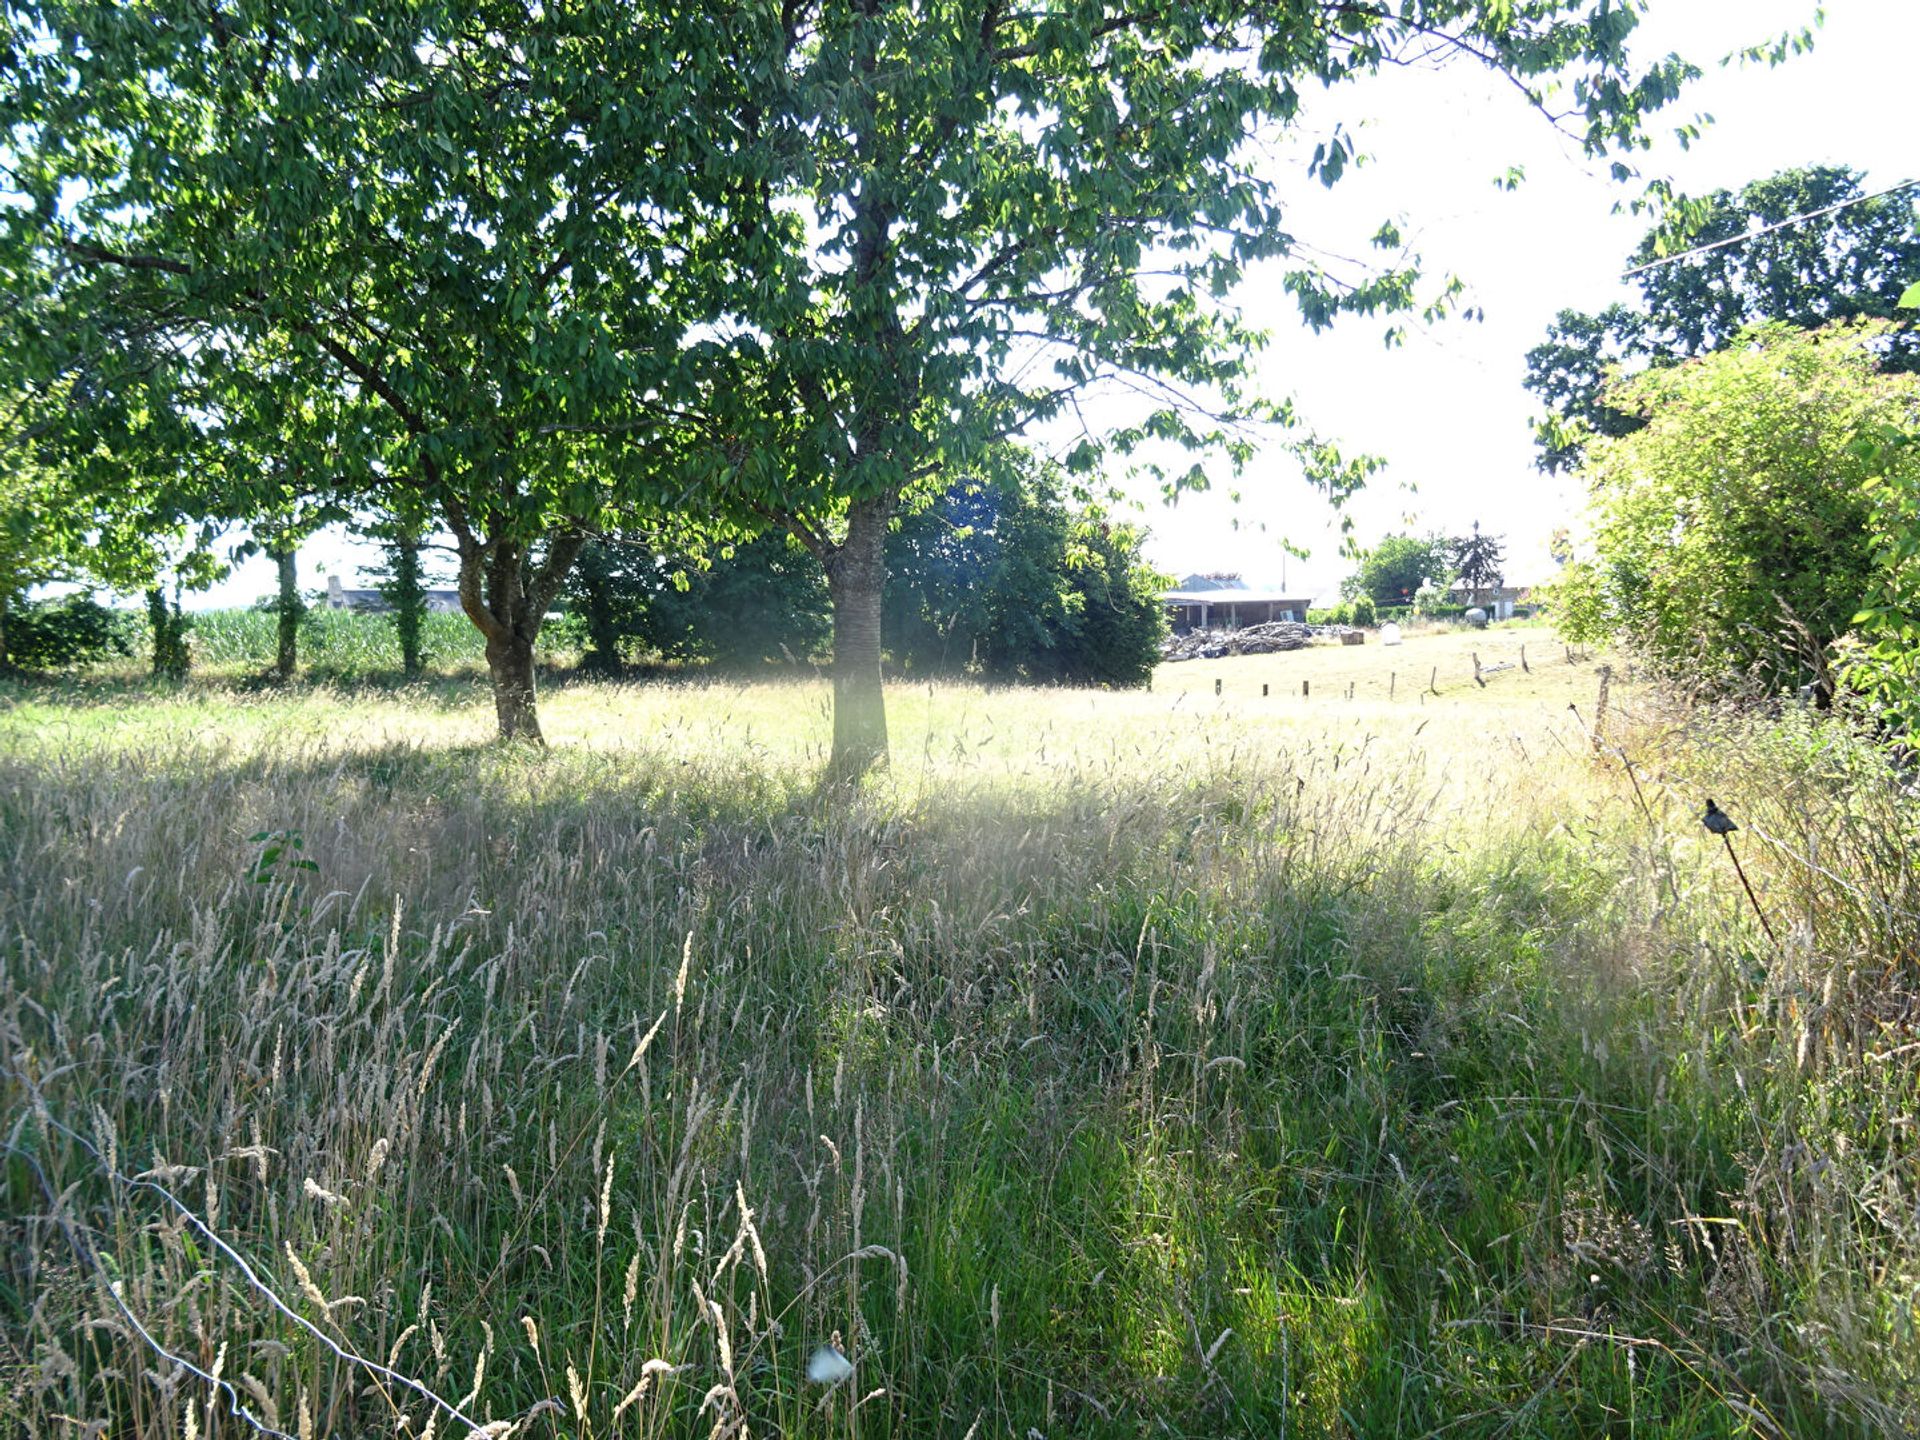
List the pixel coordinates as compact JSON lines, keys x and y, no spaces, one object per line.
{"x":1742,"y":238}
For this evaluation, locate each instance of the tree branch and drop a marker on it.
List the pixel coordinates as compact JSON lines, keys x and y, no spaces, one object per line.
{"x":102,"y":256}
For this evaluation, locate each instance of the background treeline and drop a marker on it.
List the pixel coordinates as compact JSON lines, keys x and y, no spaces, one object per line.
{"x":999,"y":578}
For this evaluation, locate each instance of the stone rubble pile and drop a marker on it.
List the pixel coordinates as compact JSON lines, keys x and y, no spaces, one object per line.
{"x":1265,"y":639}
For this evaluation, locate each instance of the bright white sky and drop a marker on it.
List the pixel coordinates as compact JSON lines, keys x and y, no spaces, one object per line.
{"x":1447,"y":409}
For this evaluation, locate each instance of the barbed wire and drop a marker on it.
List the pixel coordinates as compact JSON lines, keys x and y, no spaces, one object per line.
{"x":88,"y":1256}
{"x":44,"y":1113}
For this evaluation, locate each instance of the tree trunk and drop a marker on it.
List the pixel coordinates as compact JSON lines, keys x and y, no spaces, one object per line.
{"x":170,"y":658}
{"x":289,"y":607}
{"x":408,"y":597}
{"x":5,"y":658}
{"x":506,"y":596}
{"x":157,"y":623}
{"x":510,"y":663}
{"x":856,"y":579}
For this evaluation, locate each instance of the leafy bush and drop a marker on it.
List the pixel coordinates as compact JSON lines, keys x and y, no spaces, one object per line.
{"x":760,"y":601}
{"x":167,"y":627}
{"x":1885,"y":661}
{"x":1000,"y":576}
{"x":1363,"y":612}
{"x":1735,"y":530}
{"x":1119,"y":620}
{"x":73,"y":631}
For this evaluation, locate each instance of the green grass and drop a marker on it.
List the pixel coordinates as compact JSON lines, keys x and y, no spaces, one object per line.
{"x":1118,"y":1064}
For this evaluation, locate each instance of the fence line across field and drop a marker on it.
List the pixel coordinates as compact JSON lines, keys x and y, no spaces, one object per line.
{"x":1479,"y":673}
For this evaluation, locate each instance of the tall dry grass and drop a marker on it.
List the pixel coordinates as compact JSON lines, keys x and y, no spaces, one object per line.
{"x":1199,"y":1080}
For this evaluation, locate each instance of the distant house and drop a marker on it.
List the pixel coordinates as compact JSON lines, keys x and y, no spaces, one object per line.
{"x":1224,"y":602}
{"x":341,"y":598}
{"x":1497,"y":600}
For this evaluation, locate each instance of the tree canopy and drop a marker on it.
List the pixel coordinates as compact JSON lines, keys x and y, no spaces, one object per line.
{"x":1008,"y":206}
{"x":454,"y":250}
{"x":1477,"y":560}
{"x":1392,"y":572}
{"x":719,"y":266}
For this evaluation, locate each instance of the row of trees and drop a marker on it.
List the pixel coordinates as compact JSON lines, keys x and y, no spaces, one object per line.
{"x":694,"y":272}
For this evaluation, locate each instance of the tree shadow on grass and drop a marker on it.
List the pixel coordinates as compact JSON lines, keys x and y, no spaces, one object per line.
{"x":1166,"y":1129}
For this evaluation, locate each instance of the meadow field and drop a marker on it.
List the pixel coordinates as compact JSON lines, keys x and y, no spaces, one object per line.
{"x":1158,"y":1063}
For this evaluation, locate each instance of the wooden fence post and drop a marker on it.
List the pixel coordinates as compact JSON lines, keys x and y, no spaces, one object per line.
{"x":1393,"y":679}
{"x":1476,"y":671}
{"x":1263,"y":691}
{"x":1306,"y":688}
{"x":1600,"y":706}
{"x":1216,"y":684}
{"x":1523,"y":660}
{"x":1433,"y":680}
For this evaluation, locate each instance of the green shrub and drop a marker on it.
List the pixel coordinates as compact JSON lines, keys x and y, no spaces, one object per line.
{"x":1734,"y":534}
{"x":1363,"y":612}
{"x":998,"y":577}
{"x":72,"y":631}
{"x":1114,"y":602}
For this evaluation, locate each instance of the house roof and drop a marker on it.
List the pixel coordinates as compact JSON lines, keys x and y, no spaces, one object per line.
{"x":1231,"y":596}
{"x":379,"y":597}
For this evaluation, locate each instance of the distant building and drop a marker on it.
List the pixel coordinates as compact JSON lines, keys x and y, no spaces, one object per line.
{"x":340,"y":598}
{"x":1224,"y":602}
{"x":1498,"y":601}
